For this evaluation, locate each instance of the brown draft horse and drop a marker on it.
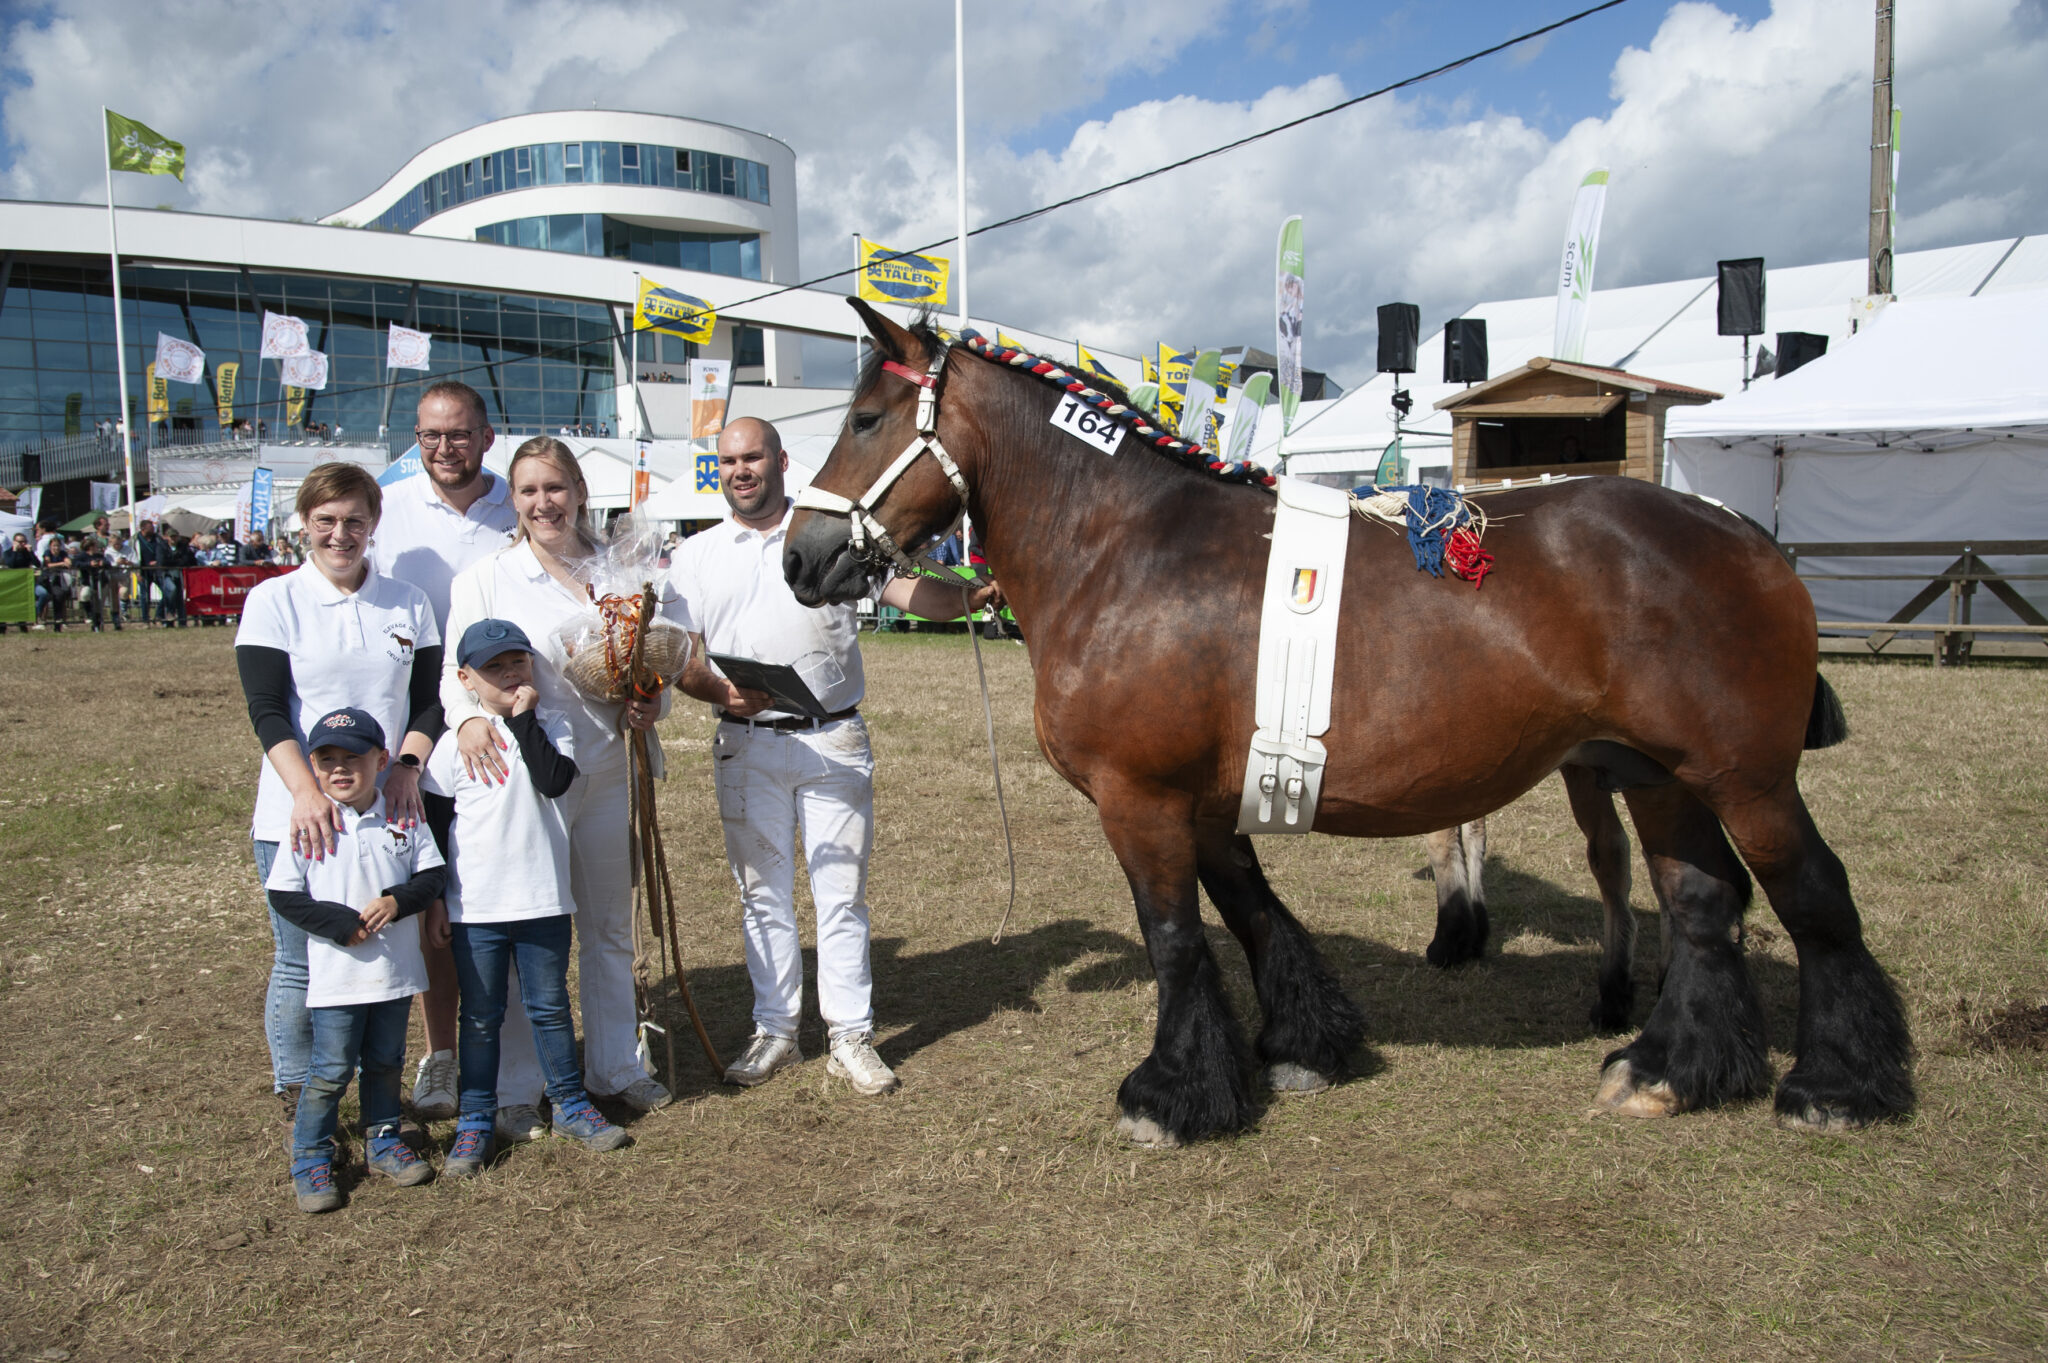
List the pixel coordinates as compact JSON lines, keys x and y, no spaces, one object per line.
{"x":1647,"y":642}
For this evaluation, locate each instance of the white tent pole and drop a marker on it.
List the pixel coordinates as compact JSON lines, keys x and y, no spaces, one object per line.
{"x":120,"y":334}
{"x":960,"y":148}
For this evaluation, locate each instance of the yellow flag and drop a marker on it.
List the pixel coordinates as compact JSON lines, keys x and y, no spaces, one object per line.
{"x":224,"y":391}
{"x":294,"y":407}
{"x":1151,"y":367}
{"x":1175,"y":369}
{"x":888,"y":276}
{"x":1089,"y":365}
{"x":159,"y":394}
{"x":1009,"y":342}
{"x":676,"y":313}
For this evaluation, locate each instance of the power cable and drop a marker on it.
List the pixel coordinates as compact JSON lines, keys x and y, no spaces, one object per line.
{"x":1100,"y":190}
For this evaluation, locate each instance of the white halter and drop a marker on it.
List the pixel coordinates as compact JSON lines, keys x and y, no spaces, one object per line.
{"x":868,"y":533}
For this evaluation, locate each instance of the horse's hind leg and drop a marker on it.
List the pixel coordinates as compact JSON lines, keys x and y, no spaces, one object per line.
{"x":1457,"y":858}
{"x":1704,"y":1041}
{"x":1607,"y":854}
{"x":1195,"y":1082}
{"x":1311,"y":1024}
{"x":1854,"y":1049}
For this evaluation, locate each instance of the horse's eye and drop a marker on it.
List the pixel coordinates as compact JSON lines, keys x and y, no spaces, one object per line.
{"x":863,"y":422}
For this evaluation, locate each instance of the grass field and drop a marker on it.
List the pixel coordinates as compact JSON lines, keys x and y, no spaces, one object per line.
{"x":1456,"y":1201}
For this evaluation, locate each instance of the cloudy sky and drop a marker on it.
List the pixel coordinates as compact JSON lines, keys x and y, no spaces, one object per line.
{"x":1732,"y":128}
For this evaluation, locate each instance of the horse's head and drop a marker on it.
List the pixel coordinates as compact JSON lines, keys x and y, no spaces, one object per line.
{"x":885,"y":492}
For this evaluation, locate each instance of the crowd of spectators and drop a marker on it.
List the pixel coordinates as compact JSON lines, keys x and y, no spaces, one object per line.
{"x":103,"y":578}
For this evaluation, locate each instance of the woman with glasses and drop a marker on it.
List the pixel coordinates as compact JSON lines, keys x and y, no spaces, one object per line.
{"x":332,"y":634}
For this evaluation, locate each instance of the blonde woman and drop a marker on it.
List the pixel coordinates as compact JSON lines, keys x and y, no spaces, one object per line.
{"x":534,"y":584}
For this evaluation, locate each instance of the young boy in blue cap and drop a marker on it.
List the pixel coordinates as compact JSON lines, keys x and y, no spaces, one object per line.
{"x":363,"y":960}
{"x":508,"y":902}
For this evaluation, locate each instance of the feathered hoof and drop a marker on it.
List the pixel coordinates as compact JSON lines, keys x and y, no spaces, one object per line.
{"x":1291,"y":1080}
{"x":1143,"y":1131}
{"x":1821,"y":1120}
{"x":1622,"y":1095}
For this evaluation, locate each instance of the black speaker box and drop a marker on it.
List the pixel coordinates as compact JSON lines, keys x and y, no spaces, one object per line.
{"x":1796,"y":348}
{"x":1400,"y":334}
{"x":1465,"y":350}
{"x":1741,"y":308}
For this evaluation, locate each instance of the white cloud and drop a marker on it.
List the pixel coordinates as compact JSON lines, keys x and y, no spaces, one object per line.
{"x":1725,"y":139}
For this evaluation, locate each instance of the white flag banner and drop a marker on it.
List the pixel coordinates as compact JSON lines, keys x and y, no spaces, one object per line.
{"x":30,"y":504}
{"x":283,"y":336}
{"x":179,"y":361}
{"x":105,"y":496}
{"x":305,"y":371}
{"x":407,"y":349}
{"x":243,"y":524}
{"x":1575,"y":275}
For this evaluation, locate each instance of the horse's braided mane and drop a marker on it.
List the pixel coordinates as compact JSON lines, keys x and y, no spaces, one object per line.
{"x":1115,"y":404}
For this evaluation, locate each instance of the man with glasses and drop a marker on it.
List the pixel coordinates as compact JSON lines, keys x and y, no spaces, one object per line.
{"x":436,"y":523}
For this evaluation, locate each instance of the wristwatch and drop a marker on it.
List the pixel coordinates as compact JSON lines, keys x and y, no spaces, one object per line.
{"x":406,"y":759}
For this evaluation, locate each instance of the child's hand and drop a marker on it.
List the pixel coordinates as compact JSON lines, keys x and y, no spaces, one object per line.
{"x":378,"y":912}
{"x":524,"y":699}
{"x":362,"y":935}
{"x":438,"y":934}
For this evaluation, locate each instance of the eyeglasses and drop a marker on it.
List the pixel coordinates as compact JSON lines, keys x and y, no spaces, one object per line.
{"x":458,"y":440}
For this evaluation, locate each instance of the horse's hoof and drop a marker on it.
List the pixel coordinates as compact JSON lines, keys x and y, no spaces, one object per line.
{"x":1146,"y":1132}
{"x":1819,"y":1120}
{"x":1290,"y":1079}
{"x":1619,"y":1093}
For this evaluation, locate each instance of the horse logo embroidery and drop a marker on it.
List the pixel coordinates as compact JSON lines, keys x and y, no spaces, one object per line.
{"x":1307,"y":592}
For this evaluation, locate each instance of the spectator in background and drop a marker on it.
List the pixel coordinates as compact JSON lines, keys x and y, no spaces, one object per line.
{"x":20,"y":554}
{"x":256,"y":549}
{"x":58,"y":575}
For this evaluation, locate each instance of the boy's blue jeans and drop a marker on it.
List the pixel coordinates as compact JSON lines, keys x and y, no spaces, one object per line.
{"x":285,"y":1024}
{"x":369,"y":1036}
{"x":485,"y":953}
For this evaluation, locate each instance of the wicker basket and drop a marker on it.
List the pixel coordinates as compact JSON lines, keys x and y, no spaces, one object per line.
{"x":599,"y":671}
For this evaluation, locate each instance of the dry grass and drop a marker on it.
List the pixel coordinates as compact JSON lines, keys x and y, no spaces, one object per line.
{"x":1455,"y":1203}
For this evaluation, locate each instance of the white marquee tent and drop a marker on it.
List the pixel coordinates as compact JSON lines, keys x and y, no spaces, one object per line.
{"x":1931,"y":424}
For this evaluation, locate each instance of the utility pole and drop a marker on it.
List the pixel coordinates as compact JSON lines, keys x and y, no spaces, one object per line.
{"x":1881,"y":156}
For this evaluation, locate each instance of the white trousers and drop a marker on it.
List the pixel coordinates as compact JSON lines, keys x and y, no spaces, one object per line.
{"x":771,"y":787}
{"x":601,"y":880}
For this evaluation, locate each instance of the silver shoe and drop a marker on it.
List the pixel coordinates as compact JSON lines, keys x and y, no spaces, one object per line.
{"x":518,"y":1123}
{"x":854,"y":1060}
{"x":433,"y":1087}
{"x":642,"y":1095}
{"x":764,"y":1055}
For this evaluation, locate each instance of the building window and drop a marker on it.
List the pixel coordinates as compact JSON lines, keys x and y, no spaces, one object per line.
{"x":556,"y":163}
{"x":682,"y":161}
{"x":629,"y":163}
{"x":749,"y":348}
{"x":487,"y":169}
{"x":469,"y":172}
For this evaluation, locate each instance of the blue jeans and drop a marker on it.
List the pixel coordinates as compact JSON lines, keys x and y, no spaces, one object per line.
{"x":485,"y":953}
{"x":366,"y":1035}
{"x":285,"y":1024}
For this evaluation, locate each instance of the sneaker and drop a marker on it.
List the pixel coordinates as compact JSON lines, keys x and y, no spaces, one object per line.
{"x":518,"y":1123}
{"x":470,"y":1153}
{"x":394,"y":1159}
{"x":764,"y":1055}
{"x":433,"y":1087}
{"x":854,"y":1060}
{"x":313,"y":1180}
{"x":586,"y":1126}
{"x":642,"y":1095}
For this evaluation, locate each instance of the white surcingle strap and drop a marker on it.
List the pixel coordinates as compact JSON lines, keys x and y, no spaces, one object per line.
{"x":860,"y":512}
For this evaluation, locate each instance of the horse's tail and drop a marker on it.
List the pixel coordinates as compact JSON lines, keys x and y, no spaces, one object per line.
{"x":1826,"y":725}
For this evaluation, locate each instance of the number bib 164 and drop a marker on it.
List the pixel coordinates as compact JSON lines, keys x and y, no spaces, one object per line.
{"x":1083,"y":422}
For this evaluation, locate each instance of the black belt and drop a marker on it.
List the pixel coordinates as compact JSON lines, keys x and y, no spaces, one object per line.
{"x":794,"y":723}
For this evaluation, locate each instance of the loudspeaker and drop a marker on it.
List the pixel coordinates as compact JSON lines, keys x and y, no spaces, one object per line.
{"x":1796,"y":348}
{"x":1400,"y":334}
{"x":32,"y":468}
{"x":1741,"y":307}
{"x":1465,"y":350}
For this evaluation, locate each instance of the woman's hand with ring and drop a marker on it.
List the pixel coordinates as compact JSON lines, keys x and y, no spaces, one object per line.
{"x":479,"y":744}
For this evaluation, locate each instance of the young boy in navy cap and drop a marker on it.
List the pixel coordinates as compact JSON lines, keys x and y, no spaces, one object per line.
{"x":363,"y":961}
{"x":509,"y":903}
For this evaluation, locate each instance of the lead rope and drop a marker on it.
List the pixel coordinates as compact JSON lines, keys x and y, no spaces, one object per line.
{"x":988,"y":717}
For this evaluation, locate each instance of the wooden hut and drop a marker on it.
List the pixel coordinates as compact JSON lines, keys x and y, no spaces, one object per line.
{"x":1557,"y":417}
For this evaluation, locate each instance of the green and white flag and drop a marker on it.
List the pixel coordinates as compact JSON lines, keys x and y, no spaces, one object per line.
{"x":1575,"y":276}
{"x":1287,"y":315}
{"x":140,"y":148}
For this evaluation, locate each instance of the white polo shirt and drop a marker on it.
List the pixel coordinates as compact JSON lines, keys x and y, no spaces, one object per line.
{"x":729,"y":587}
{"x":515,"y":586}
{"x":347,"y":649}
{"x":509,"y":846}
{"x":422,"y":540}
{"x":370,"y":857}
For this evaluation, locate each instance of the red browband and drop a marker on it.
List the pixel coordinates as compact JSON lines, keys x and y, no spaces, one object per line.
{"x":904,"y":371}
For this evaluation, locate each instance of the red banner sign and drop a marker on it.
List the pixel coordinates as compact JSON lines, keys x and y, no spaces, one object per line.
{"x":219,"y":591}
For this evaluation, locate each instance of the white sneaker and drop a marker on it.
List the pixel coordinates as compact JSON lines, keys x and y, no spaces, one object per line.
{"x":519,"y":1123}
{"x":854,"y":1060}
{"x":433,"y":1087}
{"x":642,"y":1095}
{"x":764,"y":1055}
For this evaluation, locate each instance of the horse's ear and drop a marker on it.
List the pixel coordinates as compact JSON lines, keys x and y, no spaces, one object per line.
{"x":890,"y":339}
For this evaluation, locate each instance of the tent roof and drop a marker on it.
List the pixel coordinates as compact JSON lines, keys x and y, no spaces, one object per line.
{"x":1923,"y":365}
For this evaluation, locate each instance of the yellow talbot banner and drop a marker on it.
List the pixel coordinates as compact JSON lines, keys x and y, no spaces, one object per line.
{"x":676,"y":313}
{"x":888,"y":276}
{"x":224,"y":391}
